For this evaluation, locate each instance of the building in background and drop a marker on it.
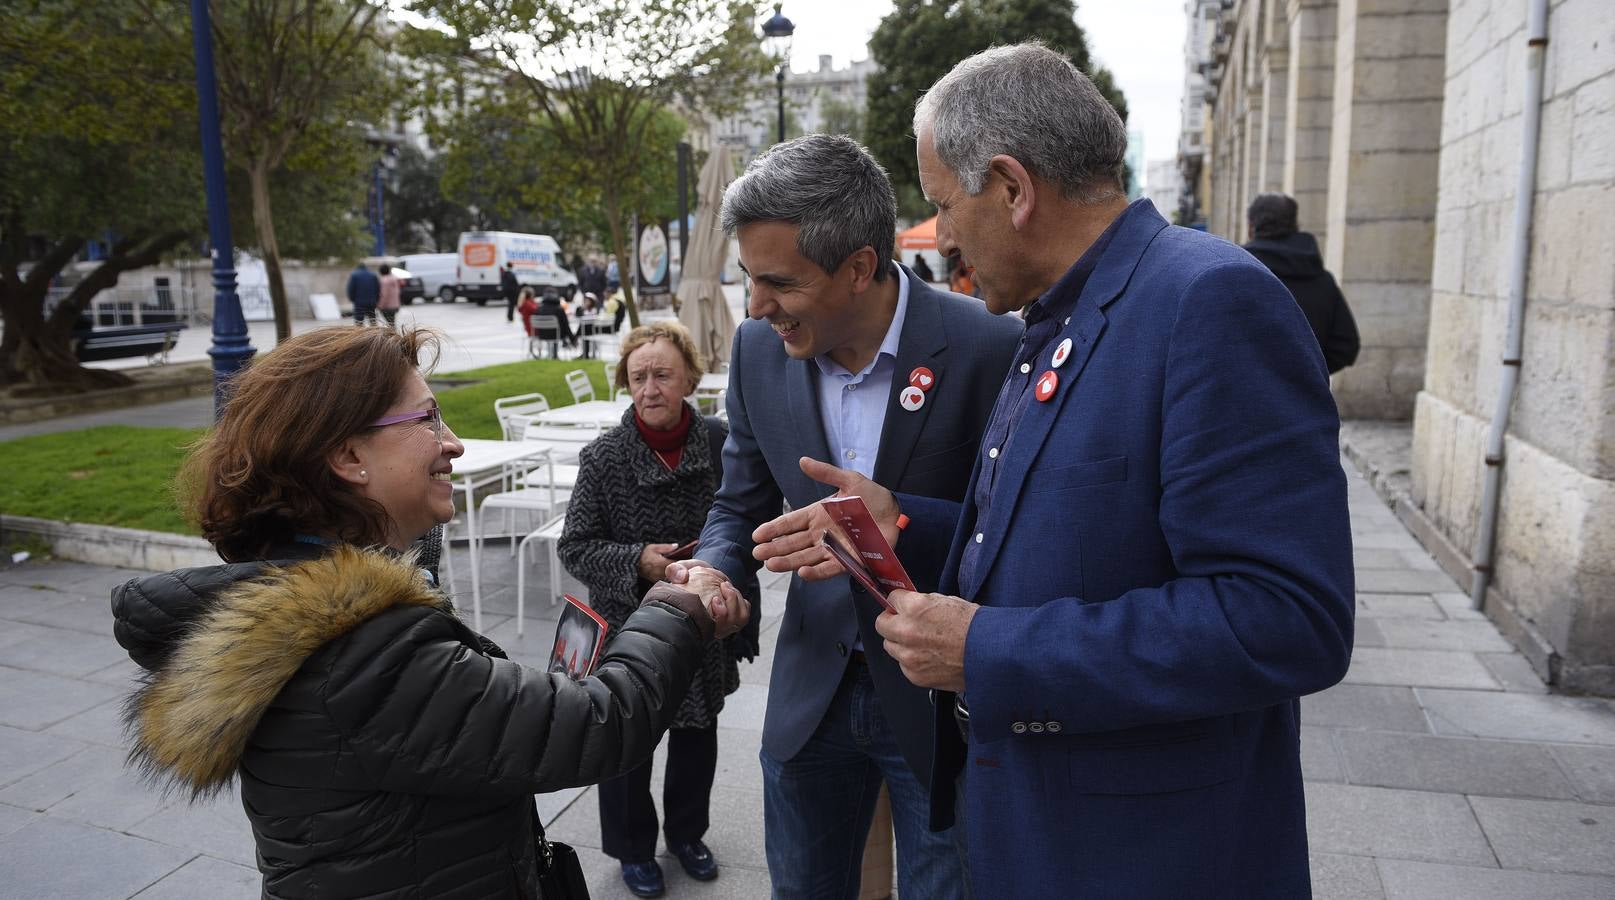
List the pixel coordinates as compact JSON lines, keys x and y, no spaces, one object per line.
{"x":1192,"y":125}
{"x":1161,"y":185}
{"x":1397,"y":126}
{"x":826,"y":98}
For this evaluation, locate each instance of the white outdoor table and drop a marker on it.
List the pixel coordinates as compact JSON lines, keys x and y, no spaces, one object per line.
{"x":606,"y":414}
{"x":483,"y":463}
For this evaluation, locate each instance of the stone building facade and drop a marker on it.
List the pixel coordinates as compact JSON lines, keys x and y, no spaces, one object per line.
{"x":1397,"y":125}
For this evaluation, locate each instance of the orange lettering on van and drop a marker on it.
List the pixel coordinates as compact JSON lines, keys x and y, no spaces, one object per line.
{"x":478,"y":255}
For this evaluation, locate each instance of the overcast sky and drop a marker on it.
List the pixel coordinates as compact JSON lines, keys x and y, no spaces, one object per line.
{"x":1141,"y":41}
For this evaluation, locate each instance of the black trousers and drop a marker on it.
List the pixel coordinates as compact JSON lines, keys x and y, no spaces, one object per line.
{"x":628,"y":814}
{"x":510,"y":307}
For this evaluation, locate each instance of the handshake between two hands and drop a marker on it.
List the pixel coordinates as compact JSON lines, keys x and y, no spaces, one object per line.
{"x":927,"y":635}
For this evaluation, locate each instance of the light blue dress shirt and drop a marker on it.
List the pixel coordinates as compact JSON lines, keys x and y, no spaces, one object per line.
{"x":852,"y":405}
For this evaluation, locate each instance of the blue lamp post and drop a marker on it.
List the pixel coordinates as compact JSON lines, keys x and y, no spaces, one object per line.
{"x":231,"y":347}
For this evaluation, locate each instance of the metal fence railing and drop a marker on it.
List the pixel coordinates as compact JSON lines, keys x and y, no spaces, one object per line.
{"x":150,"y":305}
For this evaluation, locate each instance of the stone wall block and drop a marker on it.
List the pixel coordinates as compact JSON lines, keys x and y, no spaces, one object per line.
{"x":1448,"y":467}
{"x":1397,"y":37}
{"x":1382,"y":384}
{"x":1454,"y":349}
{"x":1385,"y":250}
{"x":1474,"y":28}
{"x":1555,"y":147}
{"x":1581,"y":34}
{"x":1564,"y":401}
{"x":1400,"y":8}
{"x":1414,"y":125}
{"x":1447,"y":268}
{"x":1593,"y":137}
{"x":1408,"y":78}
{"x":1572,"y":233}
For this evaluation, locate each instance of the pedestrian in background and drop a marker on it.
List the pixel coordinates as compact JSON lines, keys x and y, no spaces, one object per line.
{"x":387,"y":301}
{"x":1292,"y":255}
{"x":923,"y":269}
{"x":364,"y":292}
{"x":510,"y":288}
{"x":643,"y":490}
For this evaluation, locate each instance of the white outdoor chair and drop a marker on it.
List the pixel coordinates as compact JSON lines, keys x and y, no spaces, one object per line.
{"x":550,"y":534}
{"x":545,"y":488}
{"x":537,"y":343}
{"x":515,"y":412}
{"x":577,"y":381}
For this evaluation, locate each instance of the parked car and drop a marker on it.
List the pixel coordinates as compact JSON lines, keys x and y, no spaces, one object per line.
{"x":535,"y":258}
{"x":436,"y":272}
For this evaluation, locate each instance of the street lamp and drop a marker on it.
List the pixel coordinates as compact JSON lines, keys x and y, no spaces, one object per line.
{"x":231,"y":347}
{"x":777,"y":33}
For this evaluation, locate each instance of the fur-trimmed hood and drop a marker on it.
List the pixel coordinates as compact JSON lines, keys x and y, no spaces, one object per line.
{"x":191,"y":719}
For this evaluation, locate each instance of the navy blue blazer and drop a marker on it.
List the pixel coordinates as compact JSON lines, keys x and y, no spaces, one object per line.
{"x":1167,"y":568}
{"x":774,"y":421}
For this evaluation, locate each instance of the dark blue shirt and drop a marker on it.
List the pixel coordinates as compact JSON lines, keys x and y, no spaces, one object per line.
{"x":1046,"y":318}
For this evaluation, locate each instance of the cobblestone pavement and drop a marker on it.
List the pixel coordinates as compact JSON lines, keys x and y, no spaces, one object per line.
{"x":1439,"y":768}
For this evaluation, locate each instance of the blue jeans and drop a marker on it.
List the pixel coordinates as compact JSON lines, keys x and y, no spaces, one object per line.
{"x":817,"y":807}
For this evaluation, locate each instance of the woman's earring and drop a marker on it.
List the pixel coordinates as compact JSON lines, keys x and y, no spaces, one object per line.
{"x":363,"y":474}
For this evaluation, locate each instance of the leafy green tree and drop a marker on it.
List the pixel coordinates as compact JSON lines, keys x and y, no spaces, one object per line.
{"x":420,"y":217}
{"x":921,"y":40}
{"x":599,"y":76}
{"x":841,"y":117}
{"x":301,"y":85}
{"x":98,"y":142}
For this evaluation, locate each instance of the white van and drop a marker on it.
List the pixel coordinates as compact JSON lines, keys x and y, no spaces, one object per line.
{"x":536,"y":259}
{"x":436,"y":272}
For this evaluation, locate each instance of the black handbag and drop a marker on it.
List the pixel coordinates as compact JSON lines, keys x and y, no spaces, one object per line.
{"x":560,"y":874}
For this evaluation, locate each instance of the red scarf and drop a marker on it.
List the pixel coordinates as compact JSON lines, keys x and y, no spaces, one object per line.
{"x":667,"y":445}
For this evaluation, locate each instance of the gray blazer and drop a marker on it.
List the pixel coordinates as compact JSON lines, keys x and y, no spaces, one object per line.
{"x":774,"y":421}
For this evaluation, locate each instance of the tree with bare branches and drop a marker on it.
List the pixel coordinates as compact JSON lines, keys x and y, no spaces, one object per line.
{"x":600,"y":74}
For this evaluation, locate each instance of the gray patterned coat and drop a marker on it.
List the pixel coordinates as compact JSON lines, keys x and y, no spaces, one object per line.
{"x":626,"y":498}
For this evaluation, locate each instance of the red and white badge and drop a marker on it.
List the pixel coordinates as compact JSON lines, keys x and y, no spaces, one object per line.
{"x":1046,"y":386}
{"x":922,"y":378}
{"x":911,"y":399}
{"x":1061,"y":353}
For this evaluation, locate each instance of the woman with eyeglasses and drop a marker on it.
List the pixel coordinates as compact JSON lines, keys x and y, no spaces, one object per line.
{"x":383,"y":748}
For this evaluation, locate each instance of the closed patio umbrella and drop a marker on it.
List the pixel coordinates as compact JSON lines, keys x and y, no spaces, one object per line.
{"x":704,"y":310}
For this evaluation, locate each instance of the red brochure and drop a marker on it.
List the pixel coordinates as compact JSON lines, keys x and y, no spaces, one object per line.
{"x":580,"y":635}
{"x":880,"y":570}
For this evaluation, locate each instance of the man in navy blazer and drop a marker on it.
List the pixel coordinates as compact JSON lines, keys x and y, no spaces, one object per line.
{"x":845,"y":356}
{"x":1153,"y":560}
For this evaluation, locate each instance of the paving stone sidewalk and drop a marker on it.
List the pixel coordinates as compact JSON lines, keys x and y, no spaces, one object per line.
{"x":1439,"y":768}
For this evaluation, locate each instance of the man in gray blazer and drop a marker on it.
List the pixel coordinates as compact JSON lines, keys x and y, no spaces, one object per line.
{"x":847,"y":358}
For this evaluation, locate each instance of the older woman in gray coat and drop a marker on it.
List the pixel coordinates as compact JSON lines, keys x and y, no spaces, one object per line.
{"x":643,"y":491}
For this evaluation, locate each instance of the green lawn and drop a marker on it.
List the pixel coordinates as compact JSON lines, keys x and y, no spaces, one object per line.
{"x":122,"y":475}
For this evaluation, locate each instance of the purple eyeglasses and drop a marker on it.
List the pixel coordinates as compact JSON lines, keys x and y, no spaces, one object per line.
{"x":433,"y":416}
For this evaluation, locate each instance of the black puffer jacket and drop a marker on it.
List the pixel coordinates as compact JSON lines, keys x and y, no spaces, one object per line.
{"x":385,"y":750}
{"x":1296,"y":262}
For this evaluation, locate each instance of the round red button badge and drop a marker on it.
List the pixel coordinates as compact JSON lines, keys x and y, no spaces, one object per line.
{"x":922,"y":378}
{"x":1061,"y":353}
{"x":1045,"y":386}
{"x":912,"y":398}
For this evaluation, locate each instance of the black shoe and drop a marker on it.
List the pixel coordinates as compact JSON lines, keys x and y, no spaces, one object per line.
{"x":696,"y":859}
{"x":644,"y":878}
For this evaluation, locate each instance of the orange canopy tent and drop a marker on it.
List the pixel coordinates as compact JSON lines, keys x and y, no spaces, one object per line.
{"x":920,"y":237}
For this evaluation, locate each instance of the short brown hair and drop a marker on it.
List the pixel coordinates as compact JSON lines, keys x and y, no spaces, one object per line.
{"x":259,"y":478}
{"x":666,"y":329}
